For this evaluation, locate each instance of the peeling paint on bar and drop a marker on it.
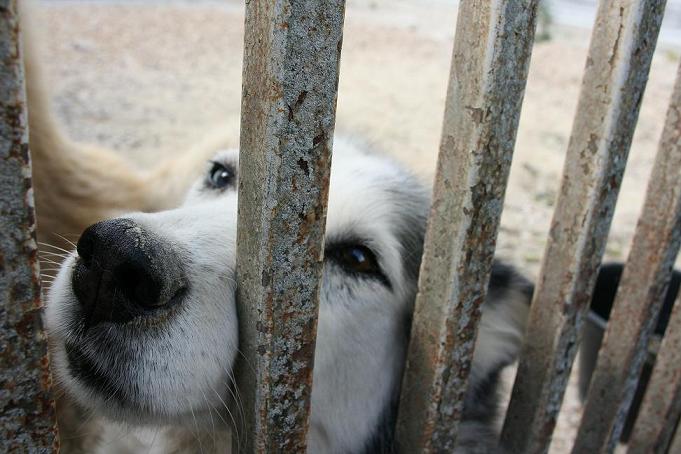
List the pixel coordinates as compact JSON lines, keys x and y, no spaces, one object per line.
{"x":27,"y":413}
{"x":616,"y":73}
{"x":487,"y":82}
{"x":291,"y":58}
{"x":639,"y":298}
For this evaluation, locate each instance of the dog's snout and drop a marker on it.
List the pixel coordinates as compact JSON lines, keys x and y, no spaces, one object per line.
{"x":124,"y":272}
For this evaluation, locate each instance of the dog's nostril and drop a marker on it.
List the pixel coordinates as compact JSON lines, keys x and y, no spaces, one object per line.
{"x":138,"y":285}
{"x":86,"y":244}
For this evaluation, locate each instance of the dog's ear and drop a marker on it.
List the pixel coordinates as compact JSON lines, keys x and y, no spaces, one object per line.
{"x":503,"y":320}
{"x":500,"y":336}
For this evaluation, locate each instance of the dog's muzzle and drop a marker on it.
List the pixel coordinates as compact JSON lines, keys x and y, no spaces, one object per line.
{"x":124,"y":272}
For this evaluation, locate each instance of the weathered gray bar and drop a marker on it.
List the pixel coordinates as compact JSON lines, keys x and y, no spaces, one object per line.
{"x":27,"y":415}
{"x":661,"y":406}
{"x":616,"y":73}
{"x":291,"y":56}
{"x":487,"y":82}
{"x":642,"y":289}
{"x":676,"y":442}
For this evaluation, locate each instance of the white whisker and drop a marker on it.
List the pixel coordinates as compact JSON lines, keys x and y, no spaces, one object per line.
{"x":54,"y":247}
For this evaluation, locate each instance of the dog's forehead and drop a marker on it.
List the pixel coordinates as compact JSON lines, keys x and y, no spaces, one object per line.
{"x":368,"y":192}
{"x":370,"y":195}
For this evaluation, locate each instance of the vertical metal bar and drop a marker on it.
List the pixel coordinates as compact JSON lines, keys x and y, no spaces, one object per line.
{"x":639,"y":298}
{"x":676,"y":441}
{"x":616,"y":73}
{"x":291,"y":58}
{"x":487,"y":82}
{"x":661,"y":407}
{"x":27,"y":414}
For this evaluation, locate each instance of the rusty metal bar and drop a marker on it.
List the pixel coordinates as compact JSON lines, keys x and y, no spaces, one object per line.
{"x":661,"y":407}
{"x":290,"y":82}
{"x":27,"y":413}
{"x":487,"y":82}
{"x":639,"y":298}
{"x":615,"y":76}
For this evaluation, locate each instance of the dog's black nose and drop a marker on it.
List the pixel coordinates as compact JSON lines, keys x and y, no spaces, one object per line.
{"x":124,"y":272}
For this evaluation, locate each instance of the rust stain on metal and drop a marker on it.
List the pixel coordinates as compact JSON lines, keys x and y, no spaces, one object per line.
{"x":291,"y":56}
{"x":644,"y":283}
{"x":487,"y":82}
{"x":27,"y":413}
{"x":615,"y":76}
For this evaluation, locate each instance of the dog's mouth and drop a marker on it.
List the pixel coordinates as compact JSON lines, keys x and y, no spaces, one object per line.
{"x":93,"y":376}
{"x":117,"y":380}
{"x":108,"y":366}
{"x":128,"y":287}
{"x":140,"y":371}
{"x":106,"y":362}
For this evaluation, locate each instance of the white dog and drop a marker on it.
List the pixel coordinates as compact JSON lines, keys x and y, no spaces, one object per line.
{"x":144,"y":322}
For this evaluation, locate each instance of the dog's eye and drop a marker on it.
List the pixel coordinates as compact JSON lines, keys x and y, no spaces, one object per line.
{"x":356,"y":258}
{"x":220,"y":176}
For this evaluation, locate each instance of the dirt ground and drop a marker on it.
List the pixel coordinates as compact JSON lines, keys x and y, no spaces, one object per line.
{"x":149,"y":79}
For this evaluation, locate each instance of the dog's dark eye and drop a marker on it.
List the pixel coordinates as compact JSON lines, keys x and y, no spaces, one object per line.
{"x":220,"y":176}
{"x":356,"y":258}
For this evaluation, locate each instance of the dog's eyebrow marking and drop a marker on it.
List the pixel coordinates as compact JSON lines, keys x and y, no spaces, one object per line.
{"x":227,"y":162}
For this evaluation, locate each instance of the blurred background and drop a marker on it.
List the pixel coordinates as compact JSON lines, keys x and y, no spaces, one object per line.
{"x":150,"y":78}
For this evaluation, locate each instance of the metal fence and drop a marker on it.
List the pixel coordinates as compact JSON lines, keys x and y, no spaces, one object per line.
{"x":291,"y":61}
{"x":27,"y":413}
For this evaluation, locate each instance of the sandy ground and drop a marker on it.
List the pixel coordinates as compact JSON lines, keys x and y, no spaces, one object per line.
{"x":148,"y":79}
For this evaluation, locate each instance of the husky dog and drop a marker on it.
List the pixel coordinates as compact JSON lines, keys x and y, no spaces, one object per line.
{"x":144,"y":324}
